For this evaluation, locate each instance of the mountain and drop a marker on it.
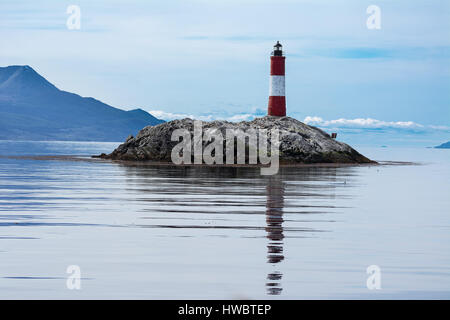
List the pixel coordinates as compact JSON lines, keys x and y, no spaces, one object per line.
{"x":31,"y":108}
{"x":445,"y":145}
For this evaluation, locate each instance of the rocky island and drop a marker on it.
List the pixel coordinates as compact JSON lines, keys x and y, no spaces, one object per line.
{"x":298,"y":143}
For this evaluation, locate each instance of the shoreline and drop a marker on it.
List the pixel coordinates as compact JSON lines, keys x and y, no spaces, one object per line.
{"x":90,"y":158}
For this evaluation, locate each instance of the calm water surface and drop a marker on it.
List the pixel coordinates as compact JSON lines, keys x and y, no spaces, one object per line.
{"x":162,"y":232}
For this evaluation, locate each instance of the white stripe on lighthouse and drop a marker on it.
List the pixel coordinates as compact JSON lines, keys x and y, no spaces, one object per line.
{"x":276,"y":86}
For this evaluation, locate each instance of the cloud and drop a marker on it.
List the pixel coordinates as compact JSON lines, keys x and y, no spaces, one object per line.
{"x":369,"y":123}
{"x":443,"y":128}
{"x":169,"y":116}
{"x":233,"y":118}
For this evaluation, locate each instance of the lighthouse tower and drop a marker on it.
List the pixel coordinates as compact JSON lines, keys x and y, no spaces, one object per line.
{"x":277,"y":99}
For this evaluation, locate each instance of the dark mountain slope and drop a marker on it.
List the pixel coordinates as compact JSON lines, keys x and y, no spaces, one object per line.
{"x":31,"y":108}
{"x":445,"y":145}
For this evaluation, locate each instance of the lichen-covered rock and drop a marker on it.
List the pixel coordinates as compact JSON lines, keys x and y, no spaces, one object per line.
{"x":299,"y":143}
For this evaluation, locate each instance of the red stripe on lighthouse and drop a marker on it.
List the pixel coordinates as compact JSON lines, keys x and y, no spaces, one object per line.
{"x":277,"y":66}
{"x":277,"y":106}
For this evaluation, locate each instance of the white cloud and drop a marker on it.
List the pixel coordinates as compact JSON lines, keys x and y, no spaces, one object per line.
{"x":241,"y":117}
{"x":169,"y":116}
{"x":443,"y":128}
{"x":172,"y":116}
{"x":367,"y":123}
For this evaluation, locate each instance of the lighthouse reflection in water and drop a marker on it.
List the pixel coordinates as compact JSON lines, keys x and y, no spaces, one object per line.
{"x":274,"y":229}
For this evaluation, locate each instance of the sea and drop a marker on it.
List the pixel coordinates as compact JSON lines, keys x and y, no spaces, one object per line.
{"x":82,"y":228}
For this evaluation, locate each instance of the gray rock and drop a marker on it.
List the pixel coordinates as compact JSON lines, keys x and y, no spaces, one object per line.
{"x":299,"y":143}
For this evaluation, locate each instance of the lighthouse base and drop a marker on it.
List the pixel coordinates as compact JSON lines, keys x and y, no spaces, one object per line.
{"x":277,"y":106}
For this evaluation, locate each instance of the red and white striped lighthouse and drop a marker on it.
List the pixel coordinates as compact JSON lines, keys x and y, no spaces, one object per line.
{"x":277,"y":98}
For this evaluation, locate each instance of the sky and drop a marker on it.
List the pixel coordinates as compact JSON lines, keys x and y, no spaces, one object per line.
{"x":209,"y":59}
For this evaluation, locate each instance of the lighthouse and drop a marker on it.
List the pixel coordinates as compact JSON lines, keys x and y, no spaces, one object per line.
{"x":277,"y":98}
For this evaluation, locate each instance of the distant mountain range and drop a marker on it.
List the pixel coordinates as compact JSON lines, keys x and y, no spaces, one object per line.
{"x":31,"y":108}
{"x":445,"y":145}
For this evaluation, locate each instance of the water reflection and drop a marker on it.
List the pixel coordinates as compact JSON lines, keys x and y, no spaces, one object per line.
{"x":217,"y":233}
{"x":221,"y":199}
{"x":274,"y":219}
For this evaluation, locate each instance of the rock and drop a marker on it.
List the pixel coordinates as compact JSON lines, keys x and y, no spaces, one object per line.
{"x":299,"y":143}
{"x":130,"y":137}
